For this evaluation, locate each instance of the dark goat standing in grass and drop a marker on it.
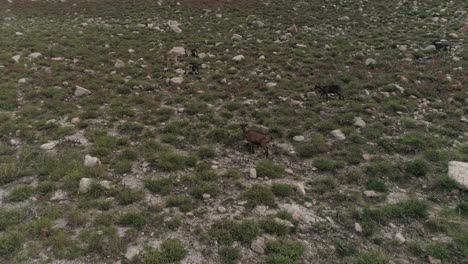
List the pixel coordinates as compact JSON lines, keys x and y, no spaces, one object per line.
{"x":256,"y":138}
{"x":193,"y":53}
{"x":329,"y":89}
{"x":445,"y":46}
{"x":194,"y":69}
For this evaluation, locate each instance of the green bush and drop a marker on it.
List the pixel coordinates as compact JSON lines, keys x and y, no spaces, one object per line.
{"x":10,"y":243}
{"x":282,"y":190}
{"x":267,"y":168}
{"x":417,"y":167}
{"x":20,"y":193}
{"x":229,"y":255}
{"x":284,"y":251}
{"x":260,"y":195}
{"x":162,"y":186}
{"x":136,"y":219}
{"x":171,"y":251}
{"x":183,"y":202}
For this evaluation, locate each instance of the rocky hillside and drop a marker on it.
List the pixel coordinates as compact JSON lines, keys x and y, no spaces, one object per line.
{"x":120,"y":136}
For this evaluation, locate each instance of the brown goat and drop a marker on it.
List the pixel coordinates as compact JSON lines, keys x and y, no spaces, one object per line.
{"x":256,"y":138}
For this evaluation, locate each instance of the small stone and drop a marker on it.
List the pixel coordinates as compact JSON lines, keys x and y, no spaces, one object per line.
{"x":22,"y":81}
{"x":338,"y":135}
{"x":459,"y":172}
{"x":298,"y":138}
{"x":106,"y":184}
{"x":357,"y":227}
{"x":16,"y":58}
{"x":434,"y":260}
{"x":359,"y":122}
{"x":300,"y":188}
{"x":222,"y":209}
{"x":119,"y":64}
{"x":253,"y":173}
{"x":258,"y":245}
{"x":289,"y":171}
{"x":429,"y":48}
{"x":238,"y":58}
{"x":371,"y":194}
{"x":176,"y":29}
{"x":59,"y":195}
{"x":85,"y":185}
{"x":236,"y":37}
{"x":49,"y":145}
{"x":80,"y":91}
{"x":370,"y":61}
{"x":271,"y":84}
{"x":91,"y":161}
{"x":35,"y":55}
{"x":176,"y":81}
{"x":177,"y":50}
{"x":132,"y":252}
{"x":206,"y":196}
{"x":453,"y":35}
{"x":75,"y":120}
{"x":344,"y":18}
{"x":400,"y":238}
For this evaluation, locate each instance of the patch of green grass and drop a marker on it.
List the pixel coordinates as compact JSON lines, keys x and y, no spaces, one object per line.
{"x":316,"y":145}
{"x":260,"y":195}
{"x":183,"y":202}
{"x":369,"y":257}
{"x":206,"y":152}
{"x":20,"y":193}
{"x":325,"y":164}
{"x":267,"y":168}
{"x":284,"y":251}
{"x":229,"y":255}
{"x":376,"y":185}
{"x":274,"y":227}
{"x":438,"y":250}
{"x":9,"y":217}
{"x":244,"y":231}
{"x":171,"y":161}
{"x":171,"y":251}
{"x":162,"y":186}
{"x":10,"y":243}
{"x":136,"y":219}
{"x":128,"y":196}
{"x":104,"y":240}
{"x":324,"y":185}
{"x":417,"y":167}
{"x":282,"y":189}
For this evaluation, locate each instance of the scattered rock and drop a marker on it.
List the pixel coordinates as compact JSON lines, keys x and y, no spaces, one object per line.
{"x":400,"y":238}
{"x":459,"y":172}
{"x":59,"y":195}
{"x":236,"y":37}
{"x":434,"y":260}
{"x":370,"y":61}
{"x":176,"y":81}
{"x":258,"y":245}
{"x":106,"y":184}
{"x":35,"y":55}
{"x":300,"y":188}
{"x":344,"y":18}
{"x":119,"y":64}
{"x":49,"y":145}
{"x":357,"y":227}
{"x":90,"y":161}
{"x":271,"y":84}
{"x":253,"y":173}
{"x":371,"y":194}
{"x":298,"y":138}
{"x":16,"y":58}
{"x":289,"y":171}
{"x":338,"y":134}
{"x":177,"y":50}
{"x":206,"y":196}
{"x":132,"y":252}
{"x":238,"y":58}
{"x":359,"y":122}
{"x":85,"y":185}
{"x":222,"y":209}
{"x":80,"y":91}
{"x":429,"y":48}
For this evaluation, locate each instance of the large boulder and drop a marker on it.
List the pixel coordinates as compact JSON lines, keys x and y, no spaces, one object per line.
{"x":459,"y":172}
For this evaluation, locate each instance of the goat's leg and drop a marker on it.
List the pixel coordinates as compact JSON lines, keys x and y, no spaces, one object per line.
{"x":265,"y":147}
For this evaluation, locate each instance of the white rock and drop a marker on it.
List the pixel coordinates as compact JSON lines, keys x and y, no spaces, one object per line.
{"x":176,"y":29}
{"x":238,"y":58}
{"x":16,"y":58}
{"x":400,"y":89}
{"x":236,"y":37}
{"x":453,"y":35}
{"x":300,"y":188}
{"x":357,"y":227}
{"x":90,"y":161}
{"x":344,"y":18}
{"x":81,"y":91}
{"x":289,"y":171}
{"x":176,"y":81}
{"x":206,"y":196}
{"x":253,"y":173}
{"x":22,"y":81}
{"x":359,"y":122}
{"x":429,"y":48}
{"x":400,"y":238}
{"x":459,"y":172}
{"x":177,"y":50}
{"x":35,"y":55}
{"x":298,"y":138}
{"x":59,"y":195}
{"x":49,"y":145}
{"x":106,"y":184}
{"x":271,"y":84}
{"x":259,"y":24}
{"x":258,"y":245}
{"x":371,"y":194}
{"x":85,"y":185}
{"x":132,"y":252}
{"x":119,"y":64}
{"x":222,"y":209}
{"x":370,"y":61}
{"x":338,"y":134}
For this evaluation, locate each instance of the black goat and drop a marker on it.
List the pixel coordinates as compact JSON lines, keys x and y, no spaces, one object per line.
{"x":444,"y":46}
